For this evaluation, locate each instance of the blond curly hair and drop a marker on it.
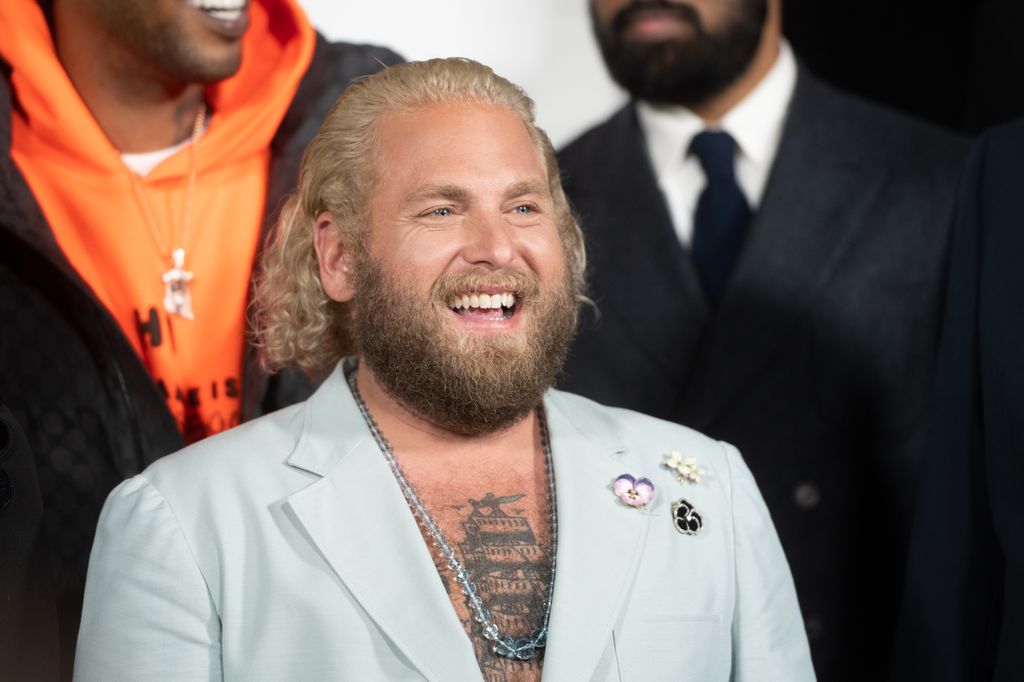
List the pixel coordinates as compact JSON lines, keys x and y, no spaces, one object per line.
{"x":294,"y":322}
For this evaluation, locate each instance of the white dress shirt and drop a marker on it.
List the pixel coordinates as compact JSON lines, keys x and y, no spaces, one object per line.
{"x":755,"y":123}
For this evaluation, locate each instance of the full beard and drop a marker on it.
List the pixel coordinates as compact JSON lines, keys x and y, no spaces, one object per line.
{"x":687,"y":71}
{"x":465,"y":384}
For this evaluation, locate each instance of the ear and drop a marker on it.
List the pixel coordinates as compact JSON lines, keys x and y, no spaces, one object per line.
{"x":336,"y":271}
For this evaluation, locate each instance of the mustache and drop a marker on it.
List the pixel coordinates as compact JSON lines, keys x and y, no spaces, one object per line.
{"x":683,"y":11}
{"x":524,"y":285}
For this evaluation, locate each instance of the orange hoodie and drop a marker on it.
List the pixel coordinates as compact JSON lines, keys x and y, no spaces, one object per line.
{"x":85,"y":191}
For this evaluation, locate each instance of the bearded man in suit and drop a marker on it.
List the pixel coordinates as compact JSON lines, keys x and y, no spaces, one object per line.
{"x":767,"y":257}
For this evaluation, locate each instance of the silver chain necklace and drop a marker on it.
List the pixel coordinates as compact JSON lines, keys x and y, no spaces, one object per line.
{"x":521,"y":648}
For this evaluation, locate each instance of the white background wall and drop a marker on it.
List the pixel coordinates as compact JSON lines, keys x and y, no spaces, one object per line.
{"x":543,"y":45}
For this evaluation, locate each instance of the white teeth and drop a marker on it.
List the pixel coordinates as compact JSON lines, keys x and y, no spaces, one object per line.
{"x":218,"y":4}
{"x":483,"y":301}
{"x":226,"y":15}
{"x":224,"y":10}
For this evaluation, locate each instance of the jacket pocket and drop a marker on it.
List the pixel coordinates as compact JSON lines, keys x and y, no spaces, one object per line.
{"x":677,"y":648}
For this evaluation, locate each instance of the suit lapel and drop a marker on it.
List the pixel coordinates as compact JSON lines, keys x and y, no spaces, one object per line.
{"x":599,"y":540}
{"x":358,"y":519}
{"x":815,"y":200}
{"x":648,"y":286}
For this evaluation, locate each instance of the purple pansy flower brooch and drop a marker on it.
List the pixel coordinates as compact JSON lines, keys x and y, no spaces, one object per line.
{"x":633,"y":492}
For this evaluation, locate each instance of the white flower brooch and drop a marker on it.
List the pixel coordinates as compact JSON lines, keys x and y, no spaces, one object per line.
{"x":686,"y":469}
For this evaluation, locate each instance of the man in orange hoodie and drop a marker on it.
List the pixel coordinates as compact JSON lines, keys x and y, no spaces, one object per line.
{"x":146,"y":145}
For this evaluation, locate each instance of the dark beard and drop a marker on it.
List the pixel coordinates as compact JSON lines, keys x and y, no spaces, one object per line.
{"x":164,"y":44}
{"x":687,"y":71}
{"x":469,"y":386}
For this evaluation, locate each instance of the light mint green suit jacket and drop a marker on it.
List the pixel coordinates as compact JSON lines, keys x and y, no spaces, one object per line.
{"x":284,"y":550}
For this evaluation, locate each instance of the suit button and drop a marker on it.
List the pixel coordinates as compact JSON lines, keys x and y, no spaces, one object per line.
{"x":813,"y":627}
{"x":6,"y":490}
{"x":806,"y":495}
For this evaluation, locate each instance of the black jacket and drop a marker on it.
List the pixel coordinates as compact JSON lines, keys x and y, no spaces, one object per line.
{"x":90,"y":411}
{"x":816,"y":362}
{"x":963,"y":609}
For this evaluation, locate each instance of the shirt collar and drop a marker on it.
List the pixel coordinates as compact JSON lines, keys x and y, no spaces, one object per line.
{"x":755,"y":122}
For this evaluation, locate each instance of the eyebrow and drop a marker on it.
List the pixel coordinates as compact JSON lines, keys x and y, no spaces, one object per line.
{"x":526,"y":187}
{"x":447,"y":192}
{"x":457,"y":193}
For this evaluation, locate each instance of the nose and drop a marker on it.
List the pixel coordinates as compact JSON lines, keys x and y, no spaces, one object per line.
{"x":489,"y":242}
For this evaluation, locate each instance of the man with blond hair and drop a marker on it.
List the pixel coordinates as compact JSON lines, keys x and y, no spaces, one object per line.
{"x":434,"y":511}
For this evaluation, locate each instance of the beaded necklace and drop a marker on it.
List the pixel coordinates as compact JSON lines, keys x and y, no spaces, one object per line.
{"x":516,"y":648}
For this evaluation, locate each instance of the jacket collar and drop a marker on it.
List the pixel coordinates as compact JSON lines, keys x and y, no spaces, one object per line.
{"x":357,"y":518}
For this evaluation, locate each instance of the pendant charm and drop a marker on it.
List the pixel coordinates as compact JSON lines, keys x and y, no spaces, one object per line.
{"x":177,"y":296}
{"x":687,"y":520}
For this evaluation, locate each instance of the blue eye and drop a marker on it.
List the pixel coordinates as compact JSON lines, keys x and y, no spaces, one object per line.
{"x":524,"y":209}
{"x":441,"y":212}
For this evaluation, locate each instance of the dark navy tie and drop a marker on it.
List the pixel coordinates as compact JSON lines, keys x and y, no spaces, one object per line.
{"x":723,"y":215}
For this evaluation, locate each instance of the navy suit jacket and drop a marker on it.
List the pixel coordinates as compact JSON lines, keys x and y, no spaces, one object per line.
{"x":963,"y":616}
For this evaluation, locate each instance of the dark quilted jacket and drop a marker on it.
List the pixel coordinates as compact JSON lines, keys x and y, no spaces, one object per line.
{"x":89,"y":413}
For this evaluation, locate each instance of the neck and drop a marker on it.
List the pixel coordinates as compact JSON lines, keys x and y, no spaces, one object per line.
{"x":712,"y":110}
{"x":138,"y":108}
{"x":412,"y":436}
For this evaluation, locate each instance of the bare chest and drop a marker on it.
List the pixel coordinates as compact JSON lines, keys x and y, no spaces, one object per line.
{"x":498,"y":524}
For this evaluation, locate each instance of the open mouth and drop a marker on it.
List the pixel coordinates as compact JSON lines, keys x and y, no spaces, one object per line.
{"x":491,"y":306}
{"x":222,"y":10}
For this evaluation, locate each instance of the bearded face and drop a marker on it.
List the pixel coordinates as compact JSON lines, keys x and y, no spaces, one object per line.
{"x":469,"y":384}
{"x":676,"y":52}
{"x":462,"y":301}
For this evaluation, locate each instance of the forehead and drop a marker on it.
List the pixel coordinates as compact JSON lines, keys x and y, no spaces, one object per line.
{"x":463,"y":143}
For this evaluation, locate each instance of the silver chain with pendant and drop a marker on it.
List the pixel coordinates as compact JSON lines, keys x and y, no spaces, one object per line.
{"x":176,"y":280}
{"x":506,"y":646}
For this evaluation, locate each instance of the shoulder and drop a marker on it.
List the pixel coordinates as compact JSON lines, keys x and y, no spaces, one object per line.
{"x":242,"y":462}
{"x":334,"y":66}
{"x":998,"y":154}
{"x":354,"y":59}
{"x":593,"y":143}
{"x":873,"y":132}
{"x":989,"y":207}
{"x":1008,"y":134}
{"x":990,"y":230}
{"x":645,"y":442}
{"x":625,"y":424}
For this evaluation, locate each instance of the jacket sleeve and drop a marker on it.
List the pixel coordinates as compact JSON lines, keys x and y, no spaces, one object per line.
{"x":950,"y":609}
{"x":769,"y":641}
{"x":148,"y":614}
